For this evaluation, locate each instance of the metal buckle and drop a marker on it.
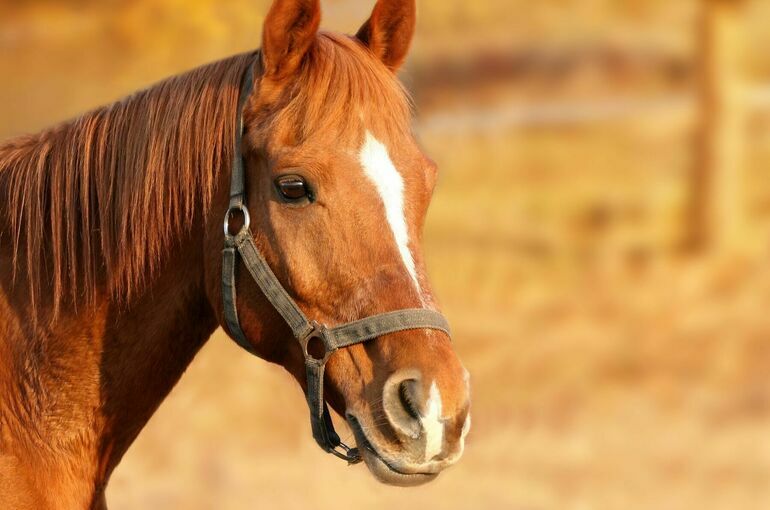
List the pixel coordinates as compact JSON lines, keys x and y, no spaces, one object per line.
{"x":246,"y":219}
{"x":319,"y":331}
{"x":348,"y":454}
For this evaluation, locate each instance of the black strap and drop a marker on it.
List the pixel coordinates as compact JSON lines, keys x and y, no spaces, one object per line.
{"x":237,"y":175}
{"x":384,"y":324}
{"x":269,"y":284}
{"x":242,"y":244}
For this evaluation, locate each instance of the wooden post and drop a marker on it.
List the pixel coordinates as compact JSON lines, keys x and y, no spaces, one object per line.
{"x":717,"y":206}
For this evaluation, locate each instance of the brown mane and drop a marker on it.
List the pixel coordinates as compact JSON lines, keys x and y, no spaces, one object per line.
{"x":107,"y":192}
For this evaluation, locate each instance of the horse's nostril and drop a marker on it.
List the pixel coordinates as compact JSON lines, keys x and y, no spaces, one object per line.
{"x":404,"y":403}
{"x":408,"y":392}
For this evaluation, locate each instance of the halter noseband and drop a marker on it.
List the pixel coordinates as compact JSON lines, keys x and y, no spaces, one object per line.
{"x":304,"y":330}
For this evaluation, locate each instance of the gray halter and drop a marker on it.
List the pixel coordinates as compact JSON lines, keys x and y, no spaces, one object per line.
{"x":304,"y":330}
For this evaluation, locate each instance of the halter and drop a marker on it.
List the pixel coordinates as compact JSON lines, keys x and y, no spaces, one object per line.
{"x":306,"y":332}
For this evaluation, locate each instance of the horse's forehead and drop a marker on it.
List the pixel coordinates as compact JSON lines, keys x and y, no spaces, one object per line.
{"x":335,"y":127}
{"x":349,"y":132}
{"x":334,"y":149}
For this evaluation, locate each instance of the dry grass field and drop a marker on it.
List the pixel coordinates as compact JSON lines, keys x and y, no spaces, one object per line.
{"x":610,"y":368}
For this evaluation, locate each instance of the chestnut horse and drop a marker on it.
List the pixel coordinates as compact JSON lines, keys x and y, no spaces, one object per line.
{"x":111,"y":255}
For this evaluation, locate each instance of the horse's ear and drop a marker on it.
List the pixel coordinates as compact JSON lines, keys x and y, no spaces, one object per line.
{"x":290,"y":28}
{"x":388,"y":32}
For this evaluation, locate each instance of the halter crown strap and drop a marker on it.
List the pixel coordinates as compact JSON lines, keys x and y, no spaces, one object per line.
{"x":305,"y":331}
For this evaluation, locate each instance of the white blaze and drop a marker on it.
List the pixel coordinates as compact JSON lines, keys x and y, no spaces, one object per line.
{"x":379,"y":168}
{"x":466,"y":428}
{"x":432,"y":424}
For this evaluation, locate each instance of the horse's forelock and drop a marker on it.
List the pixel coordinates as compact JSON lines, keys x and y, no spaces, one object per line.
{"x":340,"y":83}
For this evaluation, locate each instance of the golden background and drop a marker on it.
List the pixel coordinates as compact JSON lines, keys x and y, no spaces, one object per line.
{"x":615,"y":362}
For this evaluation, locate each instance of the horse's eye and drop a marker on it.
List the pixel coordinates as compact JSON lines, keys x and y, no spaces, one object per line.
{"x":292,"y":187}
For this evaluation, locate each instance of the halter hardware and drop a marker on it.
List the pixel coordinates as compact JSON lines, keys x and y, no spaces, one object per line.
{"x":317,"y":333}
{"x":241,"y":247}
{"x":229,"y":214}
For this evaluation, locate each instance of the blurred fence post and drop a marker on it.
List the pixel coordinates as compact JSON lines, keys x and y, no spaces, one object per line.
{"x":717,"y":198}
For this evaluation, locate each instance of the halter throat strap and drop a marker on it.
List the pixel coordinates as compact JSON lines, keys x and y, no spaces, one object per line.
{"x":241,"y":246}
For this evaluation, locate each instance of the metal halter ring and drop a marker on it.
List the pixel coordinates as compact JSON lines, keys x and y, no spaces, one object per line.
{"x":319,"y":332}
{"x":246,"y":218}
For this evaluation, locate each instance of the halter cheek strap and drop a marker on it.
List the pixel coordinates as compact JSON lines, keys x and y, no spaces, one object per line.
{"x":241,"y":246}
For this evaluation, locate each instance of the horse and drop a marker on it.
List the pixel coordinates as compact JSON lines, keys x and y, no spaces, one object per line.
{"x":113,"y":273}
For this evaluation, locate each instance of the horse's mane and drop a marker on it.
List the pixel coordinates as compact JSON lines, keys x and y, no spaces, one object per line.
{"x":107,"y":193}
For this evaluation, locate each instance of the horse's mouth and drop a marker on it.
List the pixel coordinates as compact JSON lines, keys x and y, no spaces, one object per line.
{"x":383,"y":469}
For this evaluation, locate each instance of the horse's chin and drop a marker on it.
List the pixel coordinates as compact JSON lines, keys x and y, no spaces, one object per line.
{"x":380,"y":468}
{"x":387,"y":475}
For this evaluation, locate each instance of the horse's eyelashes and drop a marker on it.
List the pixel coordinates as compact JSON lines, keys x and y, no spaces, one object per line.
{"x":293,"y":188}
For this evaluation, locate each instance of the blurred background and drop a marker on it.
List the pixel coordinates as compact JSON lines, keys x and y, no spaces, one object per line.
{"x":599,"y":240}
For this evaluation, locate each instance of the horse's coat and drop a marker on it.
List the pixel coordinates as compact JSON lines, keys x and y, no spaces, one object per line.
{"x":110,"y":256}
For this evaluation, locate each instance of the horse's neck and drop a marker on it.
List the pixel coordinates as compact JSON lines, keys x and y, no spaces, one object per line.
{"x":147,"y":348}
{"x":75,"y":396}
